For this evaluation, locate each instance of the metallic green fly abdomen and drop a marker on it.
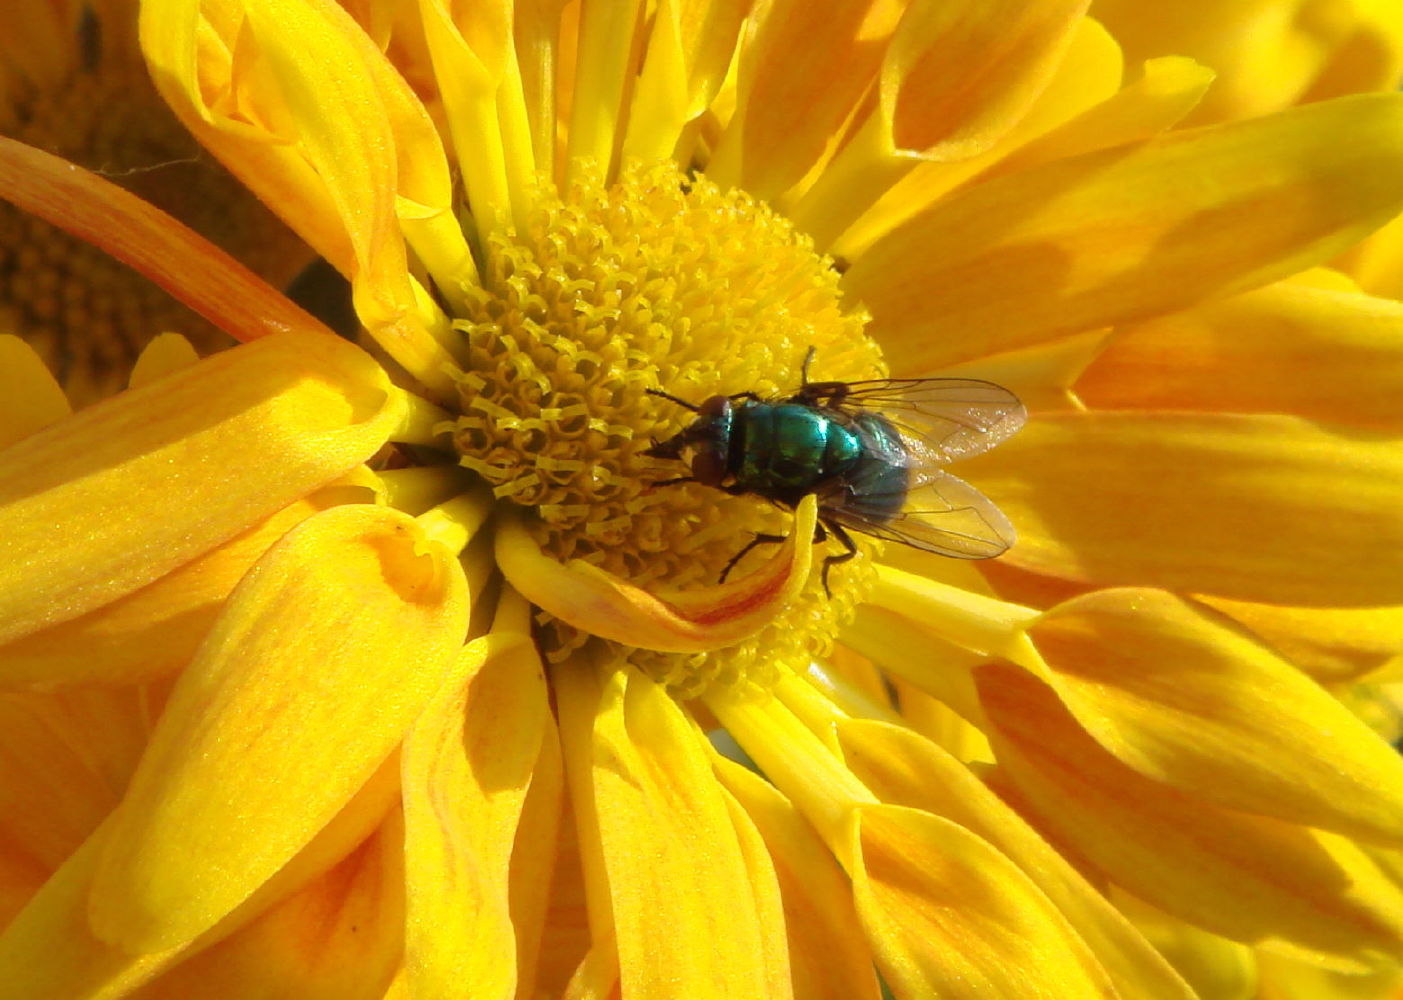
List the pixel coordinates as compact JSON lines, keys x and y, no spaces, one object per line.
{"x":872,"y":452}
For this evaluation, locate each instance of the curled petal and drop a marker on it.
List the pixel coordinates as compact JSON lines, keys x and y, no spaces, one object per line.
{"x":679,"y":621}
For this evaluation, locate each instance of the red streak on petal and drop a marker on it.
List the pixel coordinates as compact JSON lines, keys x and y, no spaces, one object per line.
{"x":188,"y":266}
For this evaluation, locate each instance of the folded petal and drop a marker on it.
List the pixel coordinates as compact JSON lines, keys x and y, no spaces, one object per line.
{"x":1123,"y":234}
{"x":669,"y":851}
{"x":327,"y":650}
{"x":1275,"y":509}
{"x":907,"y":771}
{"x":1334,"y":356}
{"x":214,"y":449}
{"x":1182,"y":697}
{"x":1249,"y":878}
{"x":950,"y":916}
{"x":675,"y":621}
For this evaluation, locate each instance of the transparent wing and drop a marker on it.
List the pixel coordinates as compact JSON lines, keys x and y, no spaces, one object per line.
{"x":945,"y":419}
{"x":935,"y":511}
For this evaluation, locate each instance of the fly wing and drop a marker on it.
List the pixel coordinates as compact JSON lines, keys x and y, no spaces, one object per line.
{"x":944,"y":419}
{"x":935,"y":511}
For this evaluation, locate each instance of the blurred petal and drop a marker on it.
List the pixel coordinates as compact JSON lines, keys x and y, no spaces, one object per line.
{"x":1292,"y":348}
{"x":1263,"y":508}
{"x":1331,"y":644}
{"x":163,"y":354}
{"x":1123,"y":234}
{"x":950,"y":916}
{"x":215,"y":448}
{"x":327,"y":650}
{"x":680,"y":621}
{"x":1176,"y":693}
{"x":30,"y":397}
{"x":669,"y":847}
{"x":1249,"y":878}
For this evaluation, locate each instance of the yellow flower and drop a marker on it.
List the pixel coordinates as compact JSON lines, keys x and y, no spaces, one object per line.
{"x":73,"y":82}
{"x":442,"y":717}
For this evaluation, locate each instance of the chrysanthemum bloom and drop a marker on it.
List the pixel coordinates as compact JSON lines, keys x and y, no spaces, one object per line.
{"x":73,"y":82}
{"x":455,"y":740}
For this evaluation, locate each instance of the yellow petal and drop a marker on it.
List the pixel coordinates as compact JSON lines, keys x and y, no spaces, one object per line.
{"x":1249,"y":878}
{"x":141,"y":236}
{"x":669,"y":847}
{"x":153,"y":631}
{"x":339,"y":937}
{"x":602,"y":68}
{"x":957,"y":77}
{"x":828,"y":955}
{"x":950,"y":916}
{"x":689,"y":49}
{"x":468,"y":763}
{"x":163,"y":354}
{"x":127,"y":490}
{"x":907,"y":771}
{"x":1288,"y":348}
{"x":326,"y":651}
{"x":30,"y":397}
{"x":676,"y":621}
{"x":1274,"y":509}
{"x":1330,"y":644}
{"x":1218,"y":969}
{"x":1120,"y":235}
{"x":1178,"y":695}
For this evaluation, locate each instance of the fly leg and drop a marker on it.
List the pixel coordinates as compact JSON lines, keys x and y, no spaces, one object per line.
{"x":759,"y":539}
{"x":830,"y":561}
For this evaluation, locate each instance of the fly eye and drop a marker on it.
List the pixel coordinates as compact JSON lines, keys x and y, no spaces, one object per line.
{"x":709,"y":467}
{"x":716,"y":406}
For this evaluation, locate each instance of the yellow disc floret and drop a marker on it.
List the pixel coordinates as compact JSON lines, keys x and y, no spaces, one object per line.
{"x":658,"y":281}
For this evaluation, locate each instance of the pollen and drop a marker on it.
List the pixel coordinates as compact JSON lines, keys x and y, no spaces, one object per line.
{"x":657,"y":281}
{"x":86,"y":314}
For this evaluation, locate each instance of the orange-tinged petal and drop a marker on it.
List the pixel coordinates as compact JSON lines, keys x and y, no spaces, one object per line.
{"x":675,"y":621}
{"x":668,"y":846}
{"x":143,"y":237}
{"x":905,"y":770}
{"x":1178,"y":694}
{"x":215,"y":448}
{"x":1249,"y":878}
{"x":1275,"y":509}
{"x":339,"y":937}
{"x":153,"y":631}
{"x":828,"y":956}
{"x":1123,"y":234}
{"x":327,"y":650}
{"x":64,"y":761}
{"x":1330,"y":355}
{"x":950,"y":916}
{"x":956,"y":77}
{"x":468,"y":764}
{"x":30,"y":397}
{"x":795,"y":44}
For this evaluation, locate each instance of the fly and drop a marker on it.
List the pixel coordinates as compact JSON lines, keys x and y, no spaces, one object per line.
{"x":873,"y":452}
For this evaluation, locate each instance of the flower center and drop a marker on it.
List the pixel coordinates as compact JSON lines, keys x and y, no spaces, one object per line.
{"x":657,"y":282}
{"x":87,"y":314}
